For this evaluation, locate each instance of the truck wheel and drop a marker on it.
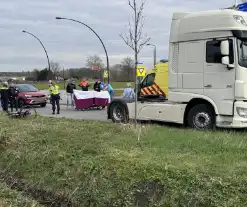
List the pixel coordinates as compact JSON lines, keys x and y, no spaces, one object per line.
{"x":118,"y":113}
{"x":201,"y":117}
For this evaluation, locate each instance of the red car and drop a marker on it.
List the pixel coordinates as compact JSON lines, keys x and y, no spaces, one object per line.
{"x":30,"y":95}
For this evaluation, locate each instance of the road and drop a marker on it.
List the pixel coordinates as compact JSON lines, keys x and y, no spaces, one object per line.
{"x":99,"y":115}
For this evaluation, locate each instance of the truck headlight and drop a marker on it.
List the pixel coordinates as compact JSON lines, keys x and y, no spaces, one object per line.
{"x":242,"y":112}
{"x":239,"y":19}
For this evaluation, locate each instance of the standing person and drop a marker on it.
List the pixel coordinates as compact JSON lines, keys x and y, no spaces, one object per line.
{"x":49,"y":83}
{"x":70,"y":89}
{"x":110,"y":90}
{"x":4,"y":92}
{"x":98,"y":86}
{"x":55,"y":97}
{"x":129,"y":92}
{"x":13,"y":93}
{"x":84,"y":84}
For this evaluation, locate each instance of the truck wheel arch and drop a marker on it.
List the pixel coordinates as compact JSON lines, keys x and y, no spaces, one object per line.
{"x":196,"y":101}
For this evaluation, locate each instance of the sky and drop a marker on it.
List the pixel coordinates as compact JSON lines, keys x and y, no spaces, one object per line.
{"x":70,"y":43}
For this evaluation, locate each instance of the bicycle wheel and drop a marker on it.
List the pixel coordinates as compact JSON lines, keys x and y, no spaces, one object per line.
{"x":28,"y":112}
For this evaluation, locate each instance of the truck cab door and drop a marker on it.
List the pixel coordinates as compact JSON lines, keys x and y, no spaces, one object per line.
{"x":218,"y":79}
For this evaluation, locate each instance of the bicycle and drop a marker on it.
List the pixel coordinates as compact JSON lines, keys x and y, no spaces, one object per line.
{"x":25,"y":111}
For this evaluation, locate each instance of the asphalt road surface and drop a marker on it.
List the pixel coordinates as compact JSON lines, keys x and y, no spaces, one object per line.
{"x":99,"y":115}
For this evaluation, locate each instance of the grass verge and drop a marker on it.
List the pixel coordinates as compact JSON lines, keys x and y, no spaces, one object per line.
{"x":101,"y":164}
{"x":10,"y":197}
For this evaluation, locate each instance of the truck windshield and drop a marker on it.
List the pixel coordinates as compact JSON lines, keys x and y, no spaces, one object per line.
{"x":242,"y":53}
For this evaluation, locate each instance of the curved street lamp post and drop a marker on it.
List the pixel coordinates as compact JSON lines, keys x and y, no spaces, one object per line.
{"x":107,"y":59}
{"x":48,"y":60}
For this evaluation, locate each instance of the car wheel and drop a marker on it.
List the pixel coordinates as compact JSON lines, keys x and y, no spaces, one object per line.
{"x":43,"y":105}
{"x":201,"y":117}
{"x":21,"y":103}
{"x":118,"y":113}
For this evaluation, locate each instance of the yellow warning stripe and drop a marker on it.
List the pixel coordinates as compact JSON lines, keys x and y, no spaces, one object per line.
{"x":157,"y":90}
{"x":154,"y":89}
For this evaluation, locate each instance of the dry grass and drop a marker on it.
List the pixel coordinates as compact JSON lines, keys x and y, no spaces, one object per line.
{"x":12,"y":198}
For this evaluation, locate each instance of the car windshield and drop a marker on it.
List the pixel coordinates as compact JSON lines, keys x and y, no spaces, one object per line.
{"x":27,"y":88}
{"x":242,"y":53}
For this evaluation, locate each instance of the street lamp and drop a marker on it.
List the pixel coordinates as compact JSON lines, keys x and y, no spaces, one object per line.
{"x":48,"y":60}
{"x":107,"y":59}
{"x":154,"y":52}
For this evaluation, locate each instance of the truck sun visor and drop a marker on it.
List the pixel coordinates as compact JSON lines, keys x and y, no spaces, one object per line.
{"x":240,"y":34}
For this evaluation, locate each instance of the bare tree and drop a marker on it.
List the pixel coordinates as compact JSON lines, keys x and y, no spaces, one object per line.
{"x":128,"y":66}
{"x":55,"y":68}
{"x":94,"y":60}
{"x":135,"y":39}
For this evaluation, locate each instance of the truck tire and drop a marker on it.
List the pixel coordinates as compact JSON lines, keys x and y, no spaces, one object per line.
{"x":201,"y":117}
{"x":118,"y":113}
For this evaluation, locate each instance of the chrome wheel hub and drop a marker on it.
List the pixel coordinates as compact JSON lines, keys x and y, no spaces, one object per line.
{"x":202,"y":120}
{"x":118,"y":114}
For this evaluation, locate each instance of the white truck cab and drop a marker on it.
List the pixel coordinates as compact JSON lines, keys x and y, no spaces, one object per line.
{"x":207,"y":74}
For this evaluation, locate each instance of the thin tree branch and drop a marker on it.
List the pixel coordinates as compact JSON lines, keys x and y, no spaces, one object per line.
{"x":127,"y":41}
{"x":135,"y":39}
{"x":131,"y":5}
{"x":144,"y":42}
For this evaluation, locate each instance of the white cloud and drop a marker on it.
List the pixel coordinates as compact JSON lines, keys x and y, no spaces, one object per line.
{"x":69,"y":42}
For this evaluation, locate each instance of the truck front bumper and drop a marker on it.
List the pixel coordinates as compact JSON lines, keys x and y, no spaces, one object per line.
{"x":238,"y":120}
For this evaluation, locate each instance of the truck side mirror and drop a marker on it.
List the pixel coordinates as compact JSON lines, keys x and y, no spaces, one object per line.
{"x":224,"y":48}
{"x":225,"y":61}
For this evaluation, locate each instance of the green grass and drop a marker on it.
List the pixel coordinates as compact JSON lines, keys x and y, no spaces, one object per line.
{"x":14,"y":198}
{"x":103,"y":163}
{"x":44,"y":86}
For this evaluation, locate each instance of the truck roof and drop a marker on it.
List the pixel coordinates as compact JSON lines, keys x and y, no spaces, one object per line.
{"x":205,"y":24}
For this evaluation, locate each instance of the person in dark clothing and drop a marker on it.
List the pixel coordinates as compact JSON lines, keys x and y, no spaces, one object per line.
{"x":69,"y":89}
{"x":4,"y":92}
{"x":98,"y":86}
{"x":13,"y":93}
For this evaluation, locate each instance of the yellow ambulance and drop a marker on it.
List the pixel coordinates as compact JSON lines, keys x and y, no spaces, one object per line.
{"x":155,"y":83}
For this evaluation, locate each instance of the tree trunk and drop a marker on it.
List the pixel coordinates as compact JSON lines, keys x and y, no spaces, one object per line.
{"x":136,"y":62}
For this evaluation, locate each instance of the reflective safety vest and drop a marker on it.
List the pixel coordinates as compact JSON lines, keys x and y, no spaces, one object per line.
{"x":54,"y":90}
{"x":4,"y":88}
